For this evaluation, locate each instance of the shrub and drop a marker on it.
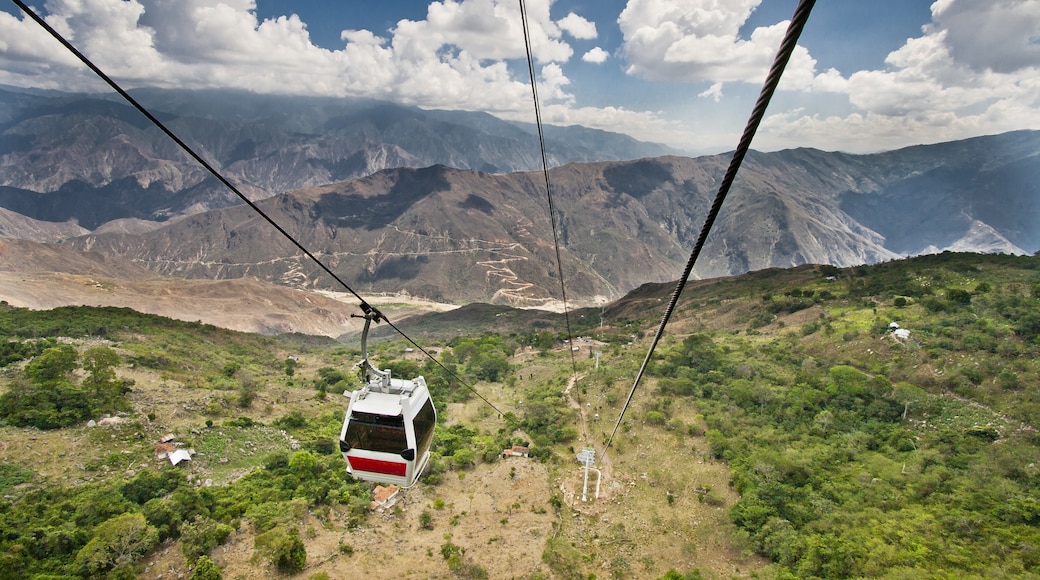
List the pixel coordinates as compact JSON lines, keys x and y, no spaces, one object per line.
{"x":119,"y":541}
{"x":205,"y":569}
{"x":201,"y":536}
{"x":276,"y":461}
{"x":294,"y":420}
{"x":958,"y":296}
{"x":282,"y":548}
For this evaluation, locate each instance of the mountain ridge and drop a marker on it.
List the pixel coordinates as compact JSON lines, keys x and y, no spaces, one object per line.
{"x":265,"y":144}
{"x":465,"y":236}
{"x":435,"y":208}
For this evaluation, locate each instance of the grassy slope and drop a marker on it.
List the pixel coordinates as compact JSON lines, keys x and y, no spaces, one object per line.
{"x":803,"y":400}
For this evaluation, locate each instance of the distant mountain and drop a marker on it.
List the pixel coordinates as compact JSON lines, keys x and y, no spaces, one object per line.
{"x":466,"y":236}
{"x":98,"y":159}
{"x":16,"y":225}
{"x":43,"y":276}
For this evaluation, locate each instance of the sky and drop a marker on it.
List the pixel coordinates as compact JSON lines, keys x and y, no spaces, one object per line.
{"x":865,"y":77}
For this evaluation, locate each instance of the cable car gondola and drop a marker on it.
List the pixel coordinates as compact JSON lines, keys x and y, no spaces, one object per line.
{"x":389,"y":424}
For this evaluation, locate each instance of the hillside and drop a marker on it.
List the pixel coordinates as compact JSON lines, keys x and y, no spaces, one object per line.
{"x":457,"y":236}
{"x":44,"y":276}
{"x":97,"y":158}
{"x":451,"y":207}
{"x":784,"y":429}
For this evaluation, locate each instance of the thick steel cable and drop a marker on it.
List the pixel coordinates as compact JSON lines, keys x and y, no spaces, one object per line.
{"x":548,"y":187}
{"x":365,"y":306}
{"x":794,"y":30}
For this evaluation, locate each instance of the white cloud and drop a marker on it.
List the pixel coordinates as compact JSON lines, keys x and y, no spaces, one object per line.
{"x":699,"y":40}
{"x":578,"y":27}
{"x":487,"y":29}
{"x":939,"y":86}
{"x":596,"y":56}
{"x":454,"y":58}
{"x":29,"y":56}
{"x":714,"y":92}
{"x":646,"y":125}
{"x":997,"y":35}
{"x":974,"y":69}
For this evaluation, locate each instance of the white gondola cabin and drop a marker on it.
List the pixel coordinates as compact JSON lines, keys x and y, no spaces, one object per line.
{"x":389,"y":425}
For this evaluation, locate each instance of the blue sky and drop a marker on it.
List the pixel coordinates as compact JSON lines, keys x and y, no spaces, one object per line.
{"x":867,"y":76}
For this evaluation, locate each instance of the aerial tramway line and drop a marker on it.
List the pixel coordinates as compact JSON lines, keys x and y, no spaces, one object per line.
{"x":389,"y":422}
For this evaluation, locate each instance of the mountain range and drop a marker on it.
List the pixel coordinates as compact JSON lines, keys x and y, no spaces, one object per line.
{"x":100,"y":159}
{"x":448,"y":207}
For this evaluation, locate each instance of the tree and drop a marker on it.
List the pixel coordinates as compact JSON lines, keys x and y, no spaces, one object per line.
{"x":426,"y":520}
{"x":282,"y":548}
{"x":490,"y":366}
{"x":907,"y":394}
{"x":117,"y":542}
{"x":199,"y":537}
{"x":247,"y":389}
{"x":958,"y":296}
{"x":53,"y":364}
{"x":50,"y":406}
{"x":205,"y":569}
{"x":104,"y":389}
{"x":462,"y":458}
{"x":99,"y":362}
{"x":303,"y":463}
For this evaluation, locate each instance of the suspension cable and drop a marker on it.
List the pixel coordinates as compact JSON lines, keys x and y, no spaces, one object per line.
{"x":367,"y":308}
{"x":548,"y":187}
{"x":794,"y":30}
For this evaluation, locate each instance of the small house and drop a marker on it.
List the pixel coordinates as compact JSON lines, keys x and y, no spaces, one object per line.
{"x":516,"y":451}
{"x":384,"y":497}
{"x":179,"y":455}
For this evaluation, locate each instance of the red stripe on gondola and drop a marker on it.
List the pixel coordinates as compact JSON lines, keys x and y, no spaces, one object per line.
{"x":378,"y":466}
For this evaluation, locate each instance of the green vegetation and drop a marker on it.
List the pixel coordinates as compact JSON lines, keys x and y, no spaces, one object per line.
{"x":876,"y":455}
{"x":45,"y":396}
{"x":856,"y":452}
{"x":90,"y":529}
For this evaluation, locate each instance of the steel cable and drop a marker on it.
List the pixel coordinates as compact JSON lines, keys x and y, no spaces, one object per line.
{"x":787,"y":46}
{"x":365,"y":306}
{"x":548,"y":187}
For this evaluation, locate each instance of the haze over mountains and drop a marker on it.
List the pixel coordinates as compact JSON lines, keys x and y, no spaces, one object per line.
{"x":445,"y":206}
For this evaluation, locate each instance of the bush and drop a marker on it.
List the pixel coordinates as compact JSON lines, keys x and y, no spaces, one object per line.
{"x":119,"y":541}
{"x":201,"y":536}
{"x":294,"y":420}
{"x":205,"y":569}
{"x":654,"y":417}
{"x":282,"y":548}
{"x":958,"y":296}
{"x":426,"y":520}
{"x":51,"y":406}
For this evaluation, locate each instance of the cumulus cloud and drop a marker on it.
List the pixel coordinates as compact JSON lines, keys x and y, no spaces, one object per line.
{"x":578,"y":27}
{"x":454,"y":58}
{"x":596,"y":56}
{"x":699,"y":40}
{"x":714,"y":92}
{"x":971,"y":72}
{"x":998,"y":35}
{"x":973,"y":69}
